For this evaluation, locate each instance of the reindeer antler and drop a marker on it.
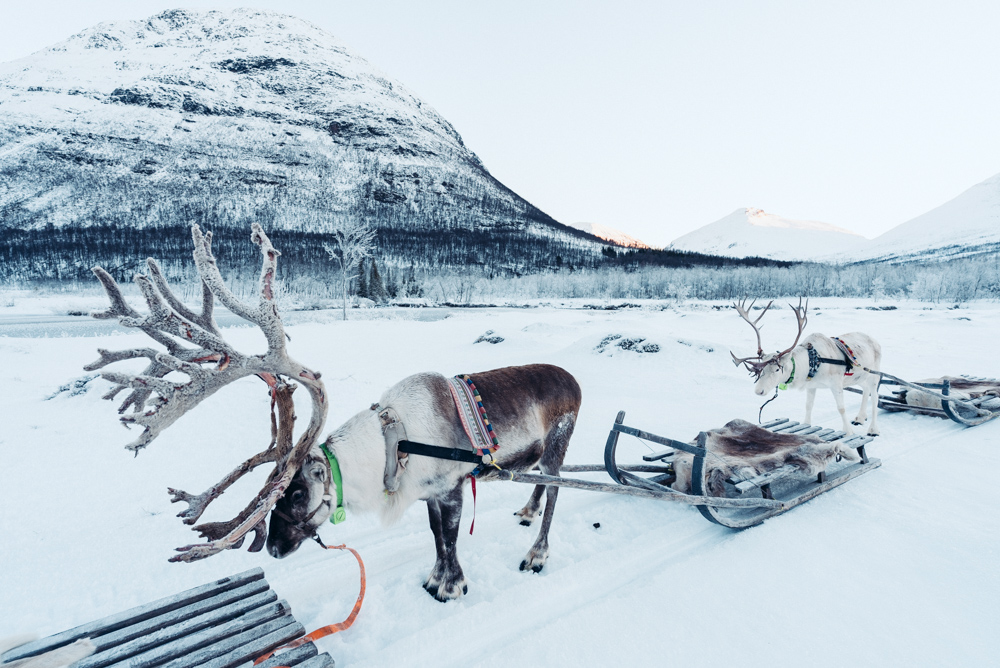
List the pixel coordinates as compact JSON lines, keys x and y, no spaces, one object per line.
{"x":744,"y":312}
{"x":157,"y":402}
{"x":802,"y":317}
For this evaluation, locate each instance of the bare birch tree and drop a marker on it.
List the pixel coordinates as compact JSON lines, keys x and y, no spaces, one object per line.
{"x":353,"y":240}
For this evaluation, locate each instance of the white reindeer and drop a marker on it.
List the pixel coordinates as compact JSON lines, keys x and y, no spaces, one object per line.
{"x":533,"y":411}
{"x":818,"y":362}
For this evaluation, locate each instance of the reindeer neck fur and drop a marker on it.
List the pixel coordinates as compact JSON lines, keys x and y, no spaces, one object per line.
{"x":360,"y":451}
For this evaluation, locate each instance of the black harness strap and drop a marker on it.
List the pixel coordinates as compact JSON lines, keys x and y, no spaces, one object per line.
{"x":436,"y":451}
{"x":815,"y":360}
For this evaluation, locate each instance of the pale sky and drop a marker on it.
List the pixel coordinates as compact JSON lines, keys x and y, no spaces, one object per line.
{"x":659,"y":117}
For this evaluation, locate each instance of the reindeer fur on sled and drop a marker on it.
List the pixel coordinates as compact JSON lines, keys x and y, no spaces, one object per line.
{"x":747,"y":450}
{"x":533,"y":410}
{"x":960,"y":388}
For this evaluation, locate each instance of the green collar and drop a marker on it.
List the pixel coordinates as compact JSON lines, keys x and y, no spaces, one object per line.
{"x":339,"y":515}
{"x":781,"y":386}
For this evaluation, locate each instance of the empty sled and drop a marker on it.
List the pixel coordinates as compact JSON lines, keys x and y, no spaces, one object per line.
{"x":225,"y":623}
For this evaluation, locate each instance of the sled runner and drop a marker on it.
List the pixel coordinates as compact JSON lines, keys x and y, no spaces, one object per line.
{"x":965,"y":399}
{"x":723,"y":490}
{"x":225,"y":623}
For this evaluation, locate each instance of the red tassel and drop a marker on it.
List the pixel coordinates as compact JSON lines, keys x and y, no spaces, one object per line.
{"x":473,"y":504}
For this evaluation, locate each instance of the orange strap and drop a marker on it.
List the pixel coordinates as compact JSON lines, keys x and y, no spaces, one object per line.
{"x":332,"y":628}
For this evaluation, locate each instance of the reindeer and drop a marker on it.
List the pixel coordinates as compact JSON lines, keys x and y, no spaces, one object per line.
{"x":533,"y":410}
{"x":818,"y":362}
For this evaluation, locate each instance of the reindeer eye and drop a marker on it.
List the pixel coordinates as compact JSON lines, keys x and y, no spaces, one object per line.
{"x":297,"y":496}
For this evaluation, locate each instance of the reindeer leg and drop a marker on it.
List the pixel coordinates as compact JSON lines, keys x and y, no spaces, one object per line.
{"x":556,"y":443}
{"x":539,"y":552}
{"x":863,"y":411}
{"x":810,"y":399}
{"x":838,"y":395}
{"x":446,"y":581}
{"x":873,"y":392}
{"x":530,"y":510}
{"x":434,"y":516}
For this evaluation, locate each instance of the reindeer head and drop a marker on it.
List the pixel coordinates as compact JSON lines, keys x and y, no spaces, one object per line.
{"x":772,"y":369}
{"x":309,"y":501}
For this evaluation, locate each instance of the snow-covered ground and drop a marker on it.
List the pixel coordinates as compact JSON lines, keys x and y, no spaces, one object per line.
{"x":898,"y":567}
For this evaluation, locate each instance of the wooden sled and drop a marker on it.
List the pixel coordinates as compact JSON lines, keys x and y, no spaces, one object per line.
{"x":229,"y":622}
{"x":747,"y":502}
{"x":969,"y":412}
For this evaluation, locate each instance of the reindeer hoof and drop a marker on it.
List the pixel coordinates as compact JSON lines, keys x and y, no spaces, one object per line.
{"x":527,"y":516}
{"x":446,"y":591}
{"x":856,"y":423}
{"x":535,"y":560}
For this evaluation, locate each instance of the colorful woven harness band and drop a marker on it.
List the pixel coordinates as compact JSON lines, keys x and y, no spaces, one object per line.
{"x":846,"y":349}
{"x":471,"y":412}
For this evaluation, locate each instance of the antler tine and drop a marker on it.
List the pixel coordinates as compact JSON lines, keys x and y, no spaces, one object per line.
{"x":801,"y":317}
{"x":265,"y":315}
{"x":204,"y":319}
{"x":120,"y":309}
{"x":742,"y":360}
{"x":745,"y":314}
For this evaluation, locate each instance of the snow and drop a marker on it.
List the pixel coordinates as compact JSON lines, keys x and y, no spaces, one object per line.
{"x":897,"y":567}
{"x":968,"y":224}
{"x":755,"y":233}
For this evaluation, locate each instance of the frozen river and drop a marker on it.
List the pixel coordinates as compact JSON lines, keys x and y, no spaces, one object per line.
{"x":54,"y":326}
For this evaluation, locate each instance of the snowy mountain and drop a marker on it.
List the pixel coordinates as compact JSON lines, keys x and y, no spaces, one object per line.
{"x":967,"y":225}
{"x":121,"y":136}
{"x":616,"y":237}
{"x":754,"y":233}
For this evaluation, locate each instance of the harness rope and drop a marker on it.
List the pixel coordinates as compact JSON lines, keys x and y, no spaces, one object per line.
{"x":332,"y":628}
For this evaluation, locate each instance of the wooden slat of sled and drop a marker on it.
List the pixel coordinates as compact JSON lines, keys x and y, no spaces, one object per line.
{"x":224,"y":624}
{"x":177,"y":625}
{"x":134,"y":615}
{"x":321,"y":661}
{"x":292,"y":657}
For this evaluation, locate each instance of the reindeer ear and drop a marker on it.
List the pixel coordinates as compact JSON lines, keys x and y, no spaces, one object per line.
{"x":317,"y":471}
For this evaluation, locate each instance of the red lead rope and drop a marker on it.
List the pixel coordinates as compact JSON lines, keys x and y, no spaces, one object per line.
{"x":332,"y":628}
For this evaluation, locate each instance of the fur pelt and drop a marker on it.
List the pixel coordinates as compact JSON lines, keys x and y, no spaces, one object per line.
{"x":748,"y":450}
{"x":57,"y":658}
{"x":961,"y":388}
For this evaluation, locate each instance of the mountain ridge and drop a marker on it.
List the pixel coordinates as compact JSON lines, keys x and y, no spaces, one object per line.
{"x":227,"y":117}
{"x":749,"y":232}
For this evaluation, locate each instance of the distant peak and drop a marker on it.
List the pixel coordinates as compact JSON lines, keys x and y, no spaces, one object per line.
{"x":760,"y":218}
{"x":611,"y":234}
